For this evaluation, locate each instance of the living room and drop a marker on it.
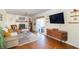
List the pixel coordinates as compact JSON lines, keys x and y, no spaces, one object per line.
{"x":21,"y":23}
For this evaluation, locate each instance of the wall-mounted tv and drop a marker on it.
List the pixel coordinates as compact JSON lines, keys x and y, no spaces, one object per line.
{"x":57,"y":18}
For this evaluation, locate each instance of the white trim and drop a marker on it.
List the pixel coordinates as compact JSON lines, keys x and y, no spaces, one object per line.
{"x":60,"y":40}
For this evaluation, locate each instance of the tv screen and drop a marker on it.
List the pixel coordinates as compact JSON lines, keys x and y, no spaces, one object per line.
{"x":57,"y":18}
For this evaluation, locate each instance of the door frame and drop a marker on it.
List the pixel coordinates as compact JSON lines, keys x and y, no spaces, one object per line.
{"x":44,"y":23}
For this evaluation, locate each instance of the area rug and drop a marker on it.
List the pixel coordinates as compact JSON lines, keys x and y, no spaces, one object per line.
{"x":27,"y":38}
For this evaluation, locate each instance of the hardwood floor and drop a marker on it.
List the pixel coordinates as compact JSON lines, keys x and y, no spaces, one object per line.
{"x":44,"y":42}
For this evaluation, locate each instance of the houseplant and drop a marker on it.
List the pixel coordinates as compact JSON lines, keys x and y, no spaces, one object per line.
{"x":1,"y":38}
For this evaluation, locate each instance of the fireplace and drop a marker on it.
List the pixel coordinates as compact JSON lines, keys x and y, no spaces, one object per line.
{"x":21,"y":26}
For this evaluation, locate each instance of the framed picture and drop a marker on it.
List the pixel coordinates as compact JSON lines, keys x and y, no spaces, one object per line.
{"x":22,"y":18}
{"x":1,"y":16}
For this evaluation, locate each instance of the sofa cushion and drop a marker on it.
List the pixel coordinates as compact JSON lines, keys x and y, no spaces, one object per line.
{"x":14,"y":34}
{"x":7,"y":34}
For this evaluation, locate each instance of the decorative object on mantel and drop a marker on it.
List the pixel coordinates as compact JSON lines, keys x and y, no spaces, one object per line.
{"x":76,"y":14}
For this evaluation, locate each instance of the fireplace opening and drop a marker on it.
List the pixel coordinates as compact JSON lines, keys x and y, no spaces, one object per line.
{"x":21,"y":26}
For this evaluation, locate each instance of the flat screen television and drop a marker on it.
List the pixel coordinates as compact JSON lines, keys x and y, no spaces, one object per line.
{"x":57,"y":18}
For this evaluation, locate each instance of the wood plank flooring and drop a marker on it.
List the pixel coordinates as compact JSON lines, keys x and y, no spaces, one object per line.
{"x":44,"y":42}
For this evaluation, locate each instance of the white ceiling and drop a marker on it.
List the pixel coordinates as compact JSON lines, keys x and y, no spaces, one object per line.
{"x":26,"y":12}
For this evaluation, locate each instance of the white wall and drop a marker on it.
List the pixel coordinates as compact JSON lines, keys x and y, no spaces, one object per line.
{"x":9,"y":19}
{"x":4,"y":14}
{"x":72,"y":29}
{"x":12,"y":18}
{"x":50,"y":12}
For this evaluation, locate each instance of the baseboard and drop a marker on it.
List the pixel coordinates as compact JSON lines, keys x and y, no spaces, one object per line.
{"x":60,"y":40}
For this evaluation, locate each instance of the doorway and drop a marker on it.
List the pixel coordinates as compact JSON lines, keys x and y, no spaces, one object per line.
{"x":40,"y":25}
